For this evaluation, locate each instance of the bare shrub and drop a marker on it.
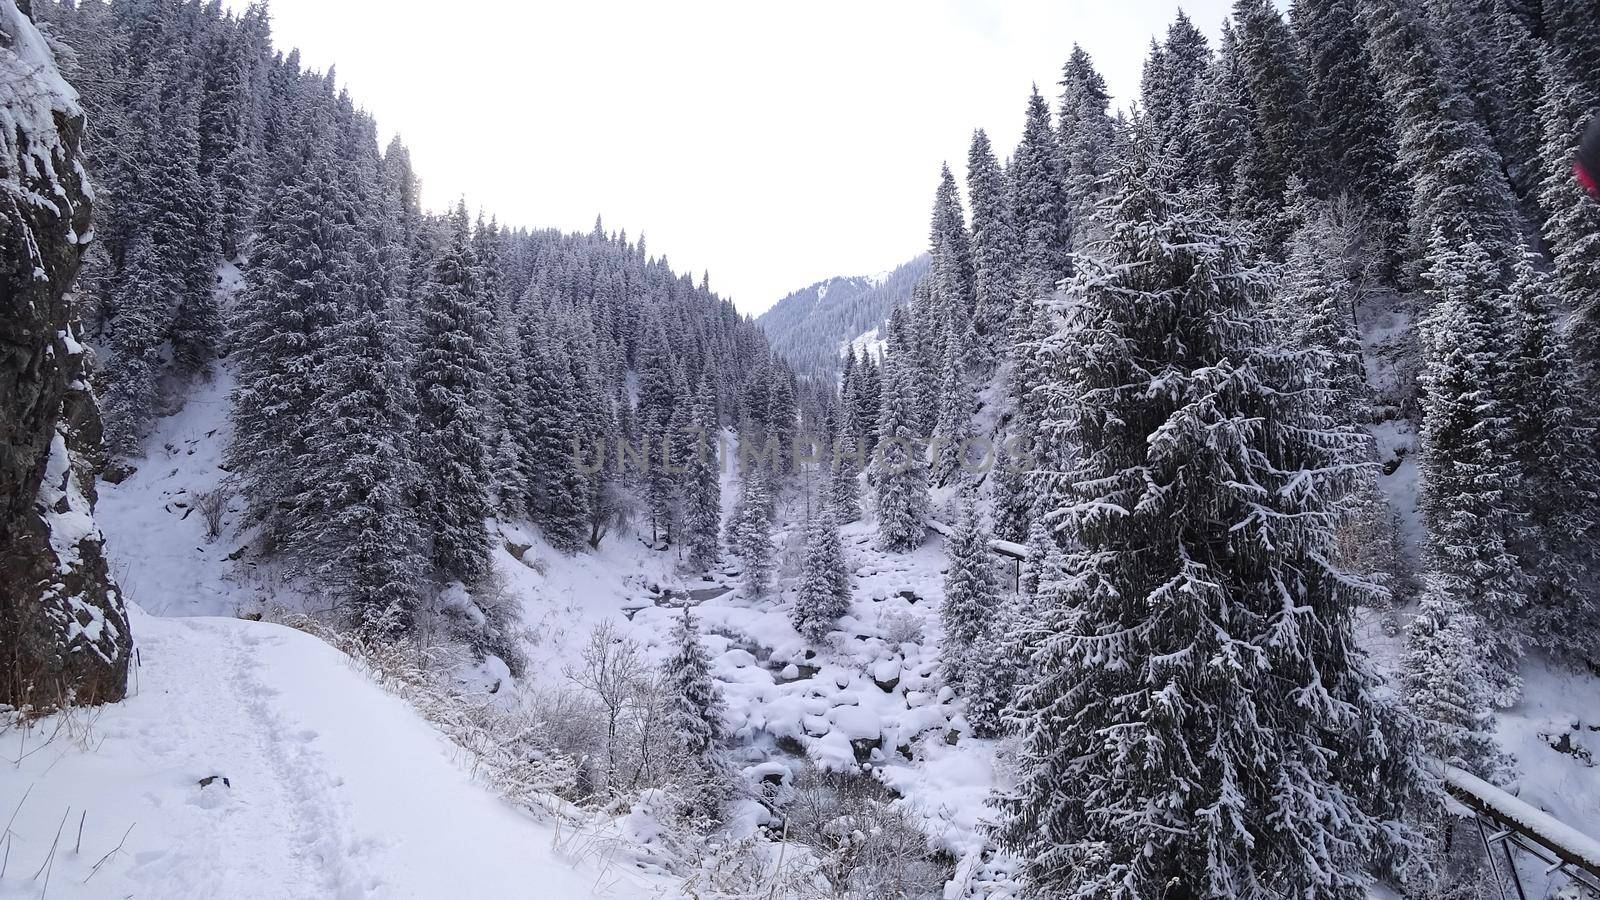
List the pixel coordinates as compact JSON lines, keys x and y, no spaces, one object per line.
{"x":865,"y":846}
{"x":213,"y":506}
{"x":635,"y":742}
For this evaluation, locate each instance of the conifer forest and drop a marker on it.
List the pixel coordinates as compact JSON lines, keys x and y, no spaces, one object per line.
{"x":1207,"y":508}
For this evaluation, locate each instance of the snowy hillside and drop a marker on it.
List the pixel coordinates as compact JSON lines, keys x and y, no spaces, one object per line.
{"x":809,"y":325}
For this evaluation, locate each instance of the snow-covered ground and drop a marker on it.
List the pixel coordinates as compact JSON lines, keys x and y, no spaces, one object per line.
{"x":253,"y":761}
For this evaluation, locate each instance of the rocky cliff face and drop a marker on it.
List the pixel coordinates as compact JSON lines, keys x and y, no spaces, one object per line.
{"x":63,"y":626}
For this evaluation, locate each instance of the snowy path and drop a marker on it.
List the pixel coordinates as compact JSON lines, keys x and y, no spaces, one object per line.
{"x":337,"y":789}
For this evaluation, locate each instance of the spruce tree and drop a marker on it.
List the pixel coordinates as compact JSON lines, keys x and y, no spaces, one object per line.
{"x":1572,"y":219}
{"x":844,"y":483}
{"x":783,"y":415}
{"x":971,"y":597}
{"x":1352,"y":130}
{"x":451,"y":430}
{"x":1553,"y":441}
{"x":1469,"y":473}
{"x":1447,"y":687}
{"x":1202,"y":724}
{"x":750,"y":533}
{"x":364,"y":539}
{"x":1221,"y":133}
{"x":1087,"y":142}
{"x":1455,"y":175}
{"x":163,"y":294}
{"x":1318,"y":301}
{"x":694,"y":716}
{"x":299,"y":272}
{"x":1038,"y":191}
{"x":702,"y":485}
{"x":950,"y":246}
{"x":1574,"y":36}
{"x":899,"y":469}
{"x":1171,"y":85}
{"x":956,"y":404}
{"x":994,"y":244}
{"x":547,"y":422}
{"x":824,"y":593}
{"x":997,"y":665}
{"x":1280,"y":123}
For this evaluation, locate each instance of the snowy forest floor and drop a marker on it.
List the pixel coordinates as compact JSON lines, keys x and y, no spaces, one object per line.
{"x":337,"y":788}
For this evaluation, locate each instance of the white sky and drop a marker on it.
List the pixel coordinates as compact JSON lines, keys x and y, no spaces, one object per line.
{"x":774,"y":144}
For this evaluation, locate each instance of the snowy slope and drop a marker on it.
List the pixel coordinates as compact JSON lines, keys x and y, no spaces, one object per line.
{"x":335,"y":788}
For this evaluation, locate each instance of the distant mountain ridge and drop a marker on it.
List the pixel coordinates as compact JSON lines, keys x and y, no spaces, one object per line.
{"x":811,"y":325}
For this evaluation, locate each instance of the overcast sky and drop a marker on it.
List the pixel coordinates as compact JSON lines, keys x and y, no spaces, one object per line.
{"x":773,"y":144}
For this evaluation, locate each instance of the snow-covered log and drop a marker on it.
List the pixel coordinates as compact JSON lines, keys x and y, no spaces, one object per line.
{"x":1532,"y":825}
{"x":1004,"y":548}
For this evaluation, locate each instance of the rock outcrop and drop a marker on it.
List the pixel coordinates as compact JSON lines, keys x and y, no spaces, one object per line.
{"x":64,"y":634}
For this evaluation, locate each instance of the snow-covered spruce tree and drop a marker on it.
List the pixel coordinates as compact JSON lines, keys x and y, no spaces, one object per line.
{"x":299,"y":272}
{"x":1271,"y":64}
{"x":702,"y":485}
{"x":694,"y":715}
{"x":1202,"y":723}
{"x":994,"y":244}
{"x":1446,"y":686}
{"x":1041,"y":543}
{"x":1221,"y":136}
{"x":824,"y":593}
{"x":1319,"y":301}
{"x":869,"y":399}
{"x":1173,"y":74}
{"x":548,"y":419}
{"x":844,"y":482}
{"x":1470,"y":477}
{"x":950,"y":246}
{"x":1457,"y":182}
{"x":1012,"y":493}
{"x":750,"y":533}
{"x":658,"y":397}
{"x":162,"y":294}
{"x":1575,"y":35}
{"x":364,"y":540}
{"x":506,"y":384}
{"x":899,"y":469}
{"x":1087,"y":139}
{"x":783,"y":415}
{"x":1554,"y":442}
{"x":971,"y":598}
{"x":956,"y":403}
{"x":451,"y":438}
{"x":1038,"y":196}
{"x":1572,"y":220}
{"x":997,"y":665}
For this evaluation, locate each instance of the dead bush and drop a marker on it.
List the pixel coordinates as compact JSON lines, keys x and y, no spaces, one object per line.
{"x":865,"y":846}
{"x":213,"y":506}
